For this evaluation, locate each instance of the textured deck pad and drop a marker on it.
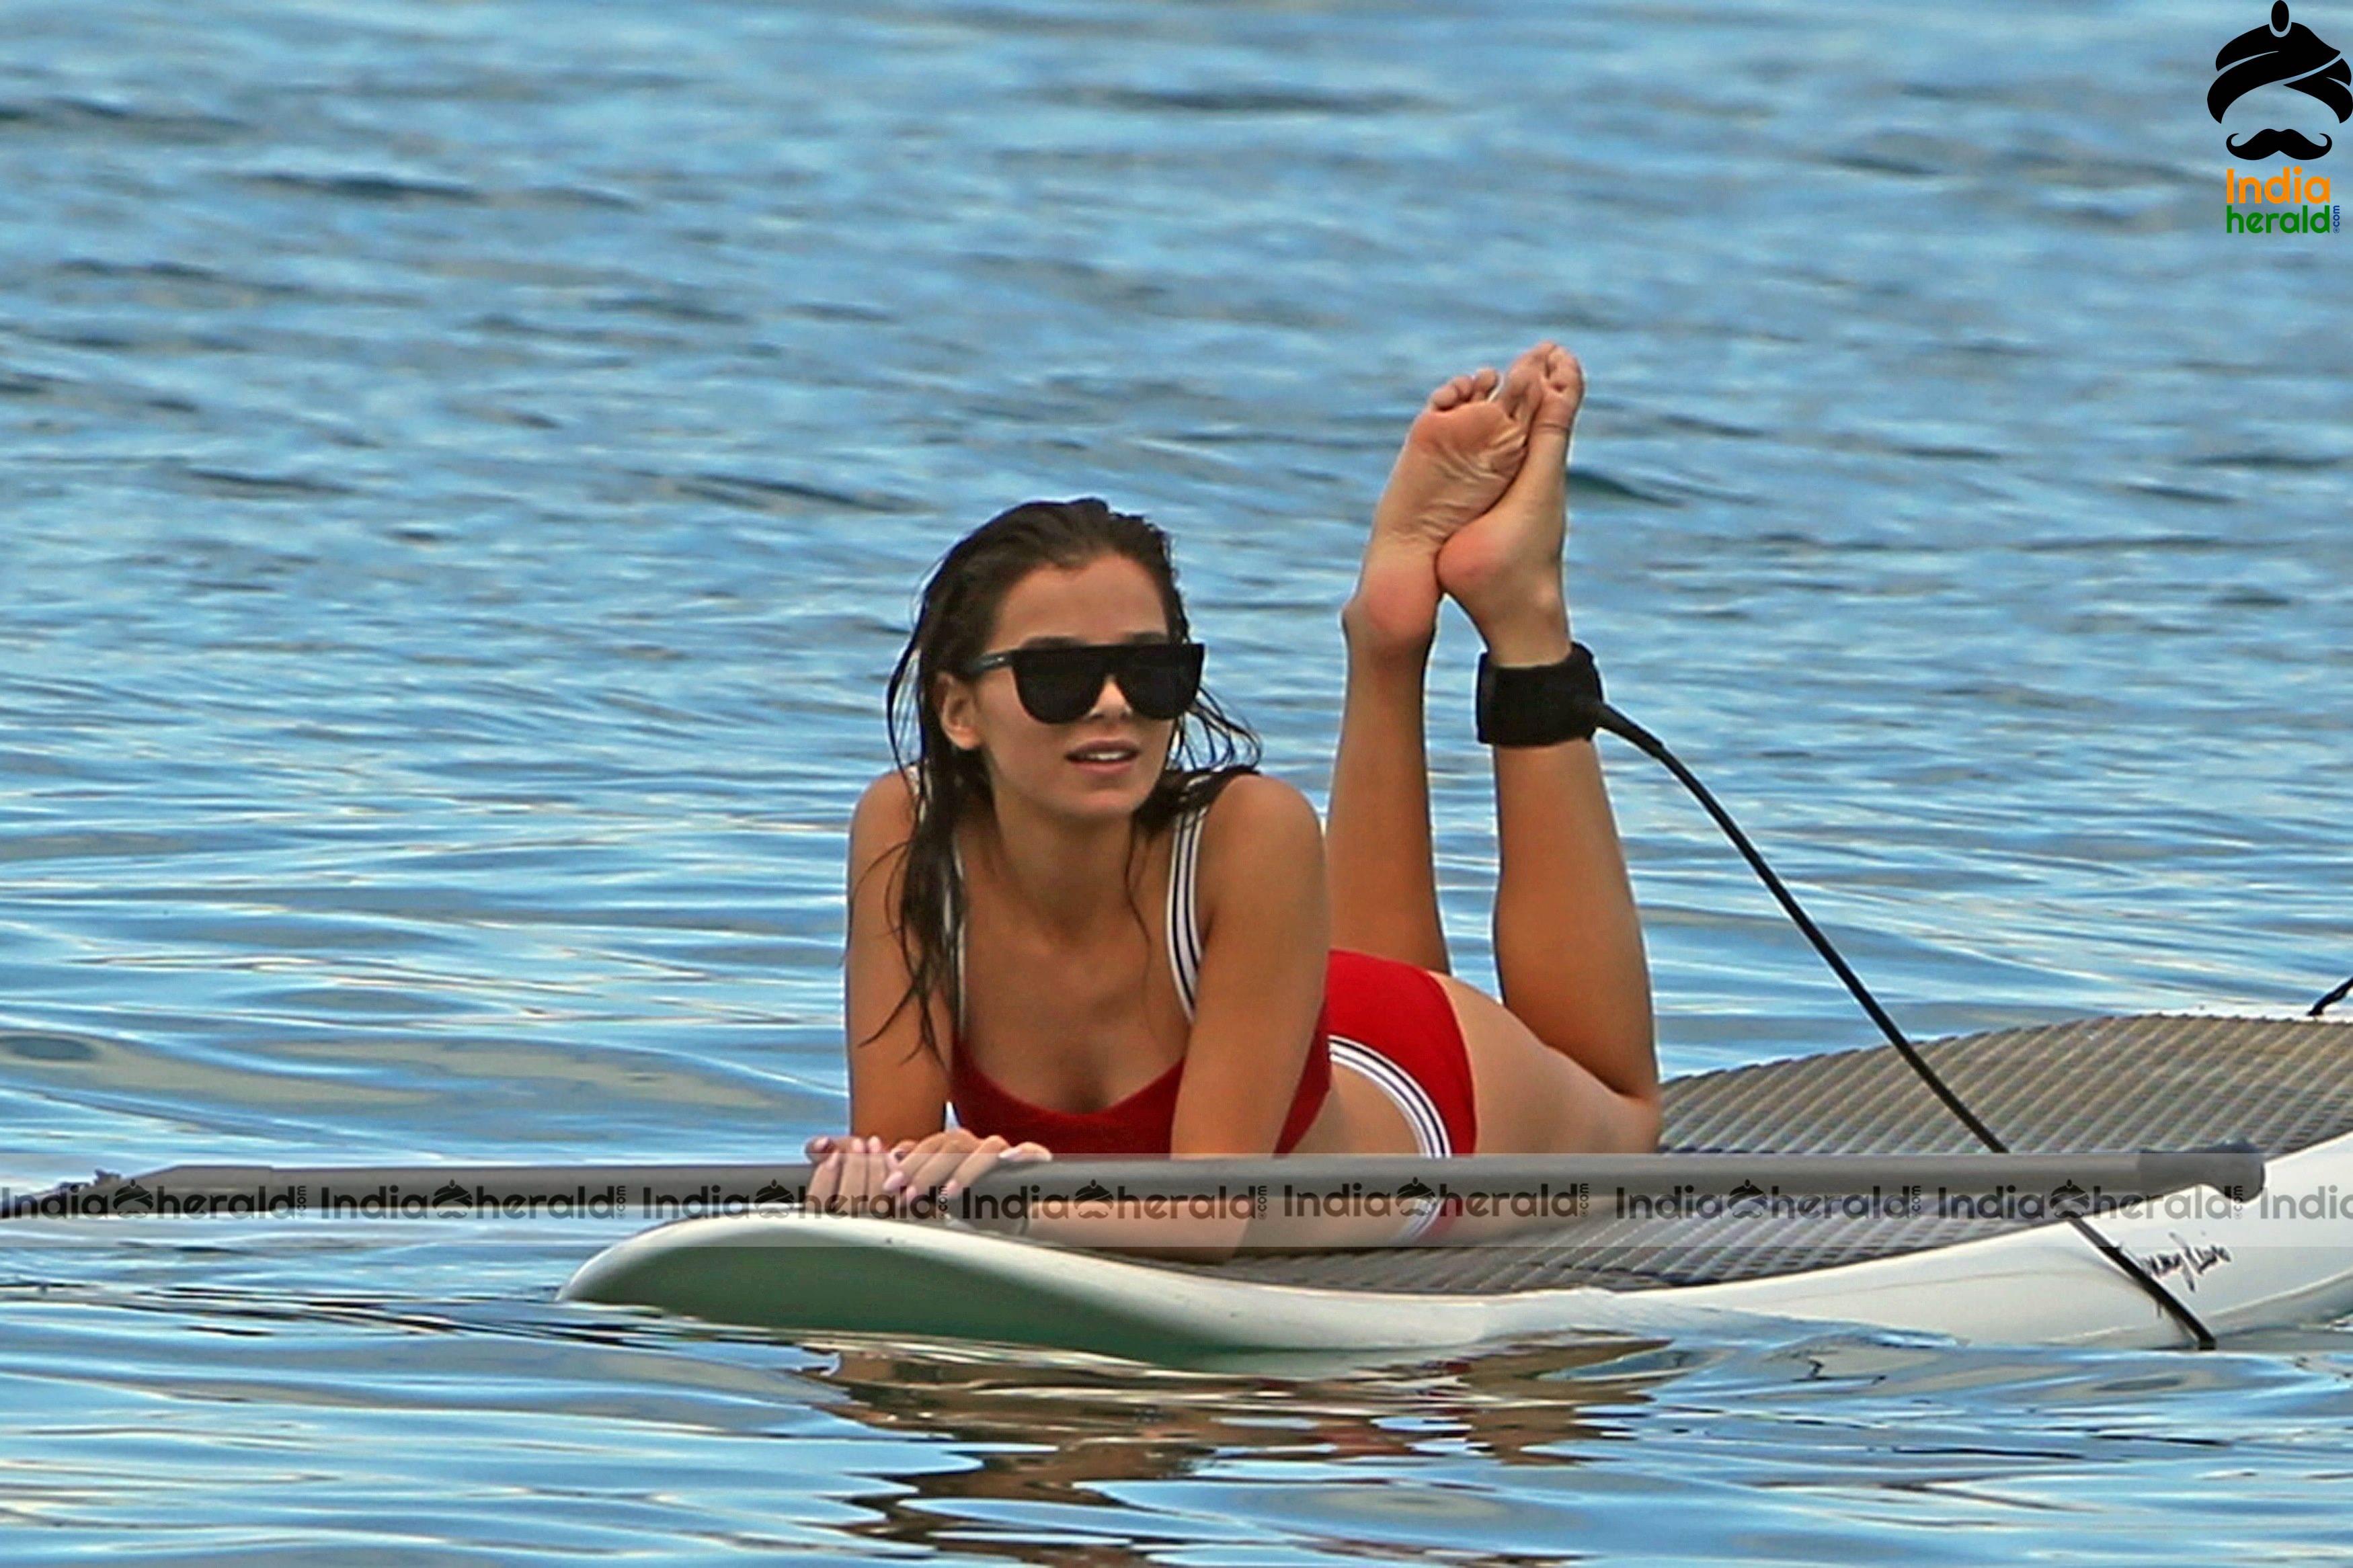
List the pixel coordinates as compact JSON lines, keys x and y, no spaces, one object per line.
{"x":2158,"y":1081}
{"x":2151,"y":1082}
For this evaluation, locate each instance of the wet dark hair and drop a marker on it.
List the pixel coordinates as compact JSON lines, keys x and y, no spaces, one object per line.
{"x":957,"y":613}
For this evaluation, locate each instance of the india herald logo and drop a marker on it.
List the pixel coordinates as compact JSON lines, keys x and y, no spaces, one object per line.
{"x":2286,"y":54}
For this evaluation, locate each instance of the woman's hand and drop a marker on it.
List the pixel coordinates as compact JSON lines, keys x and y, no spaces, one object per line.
{"x":859,"y":1176}
{"x":949,"y":1161}
{"x":850,"y":1175}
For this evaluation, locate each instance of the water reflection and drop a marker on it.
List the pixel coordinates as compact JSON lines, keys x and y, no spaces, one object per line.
{"x":1077,"y":1433}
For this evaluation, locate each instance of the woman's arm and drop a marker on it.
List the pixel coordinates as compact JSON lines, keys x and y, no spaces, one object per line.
{"x":1266,"y":940}
{"x":898,"y":1090}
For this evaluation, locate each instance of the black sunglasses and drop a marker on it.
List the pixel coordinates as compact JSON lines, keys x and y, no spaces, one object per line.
{"x":1060,"y":685}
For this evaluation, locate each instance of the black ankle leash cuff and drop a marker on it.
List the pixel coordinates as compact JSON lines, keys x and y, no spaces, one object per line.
{"x":1539,"y":704}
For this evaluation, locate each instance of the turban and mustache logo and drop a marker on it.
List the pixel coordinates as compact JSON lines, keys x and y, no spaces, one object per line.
{"x":2286,"y":53}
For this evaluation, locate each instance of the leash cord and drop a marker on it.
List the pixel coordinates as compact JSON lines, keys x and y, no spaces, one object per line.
{"x":1606,"y":717}
{"x":2334,"y":997}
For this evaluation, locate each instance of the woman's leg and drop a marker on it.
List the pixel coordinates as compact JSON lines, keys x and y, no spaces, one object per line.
{"x":1460,"y":455}
{"x":1569,"y":942}
{"x":1378,"y":858}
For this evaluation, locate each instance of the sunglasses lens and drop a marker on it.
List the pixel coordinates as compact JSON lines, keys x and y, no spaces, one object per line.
{"x":1060,"y":685}
{"x":1162,"y":680}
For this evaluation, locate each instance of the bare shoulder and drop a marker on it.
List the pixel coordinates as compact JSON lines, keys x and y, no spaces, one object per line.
{"x":1261,"y":893}
{"x":1253,"y":807}
{"x":894,"y":787}
{"x":882,"y":828}
{"x":1259,"y":828}
{"x":886,"y":809}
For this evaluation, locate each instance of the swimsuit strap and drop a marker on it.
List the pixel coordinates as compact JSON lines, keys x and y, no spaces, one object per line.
{"x":1184,"y":923}
{"x":1183,"y":920}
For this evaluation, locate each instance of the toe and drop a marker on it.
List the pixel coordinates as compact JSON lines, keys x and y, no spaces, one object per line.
{"x":1559,"y":386}
{"x":1518,"y":392}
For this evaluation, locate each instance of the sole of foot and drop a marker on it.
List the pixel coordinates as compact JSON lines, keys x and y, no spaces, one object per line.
{"x":1463,"y":452}
{"x":1503,"y":567}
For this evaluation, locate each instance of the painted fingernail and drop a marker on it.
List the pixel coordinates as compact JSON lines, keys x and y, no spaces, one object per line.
{"x":951,"y":1190}
{"x":893,"y":1182}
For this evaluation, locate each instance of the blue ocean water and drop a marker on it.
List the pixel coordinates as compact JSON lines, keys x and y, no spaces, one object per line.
{"x":465,"y":468}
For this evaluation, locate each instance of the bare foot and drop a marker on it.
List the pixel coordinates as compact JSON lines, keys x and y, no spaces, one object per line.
{"x":1460,"y":455}
{"x":1503,"y":567}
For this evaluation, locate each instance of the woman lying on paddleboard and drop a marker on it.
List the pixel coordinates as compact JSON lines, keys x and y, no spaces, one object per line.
{"x":1115,"y":953}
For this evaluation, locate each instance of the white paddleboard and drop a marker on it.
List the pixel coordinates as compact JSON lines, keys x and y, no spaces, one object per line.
{"x":2284,"y":1257}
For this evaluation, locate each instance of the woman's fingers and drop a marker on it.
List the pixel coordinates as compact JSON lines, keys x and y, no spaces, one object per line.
{"x":914,"y":1161}
{"x":900,"y":1153}
{"x":825,"y":1181}
{"x":864,"y":1175}
{"x":925,"y":1171}
{"x":973,"y":1166}
{"x":947,"y":1164}
{"x":933,"y":1160}
{"x":878,"y":1165}
{"x":952,"y":1170}
{"x":849,"y":1178}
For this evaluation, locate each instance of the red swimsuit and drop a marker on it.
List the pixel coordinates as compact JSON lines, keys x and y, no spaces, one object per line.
{"x":1388,"y":1020}
{"x":1139,"y":1124}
